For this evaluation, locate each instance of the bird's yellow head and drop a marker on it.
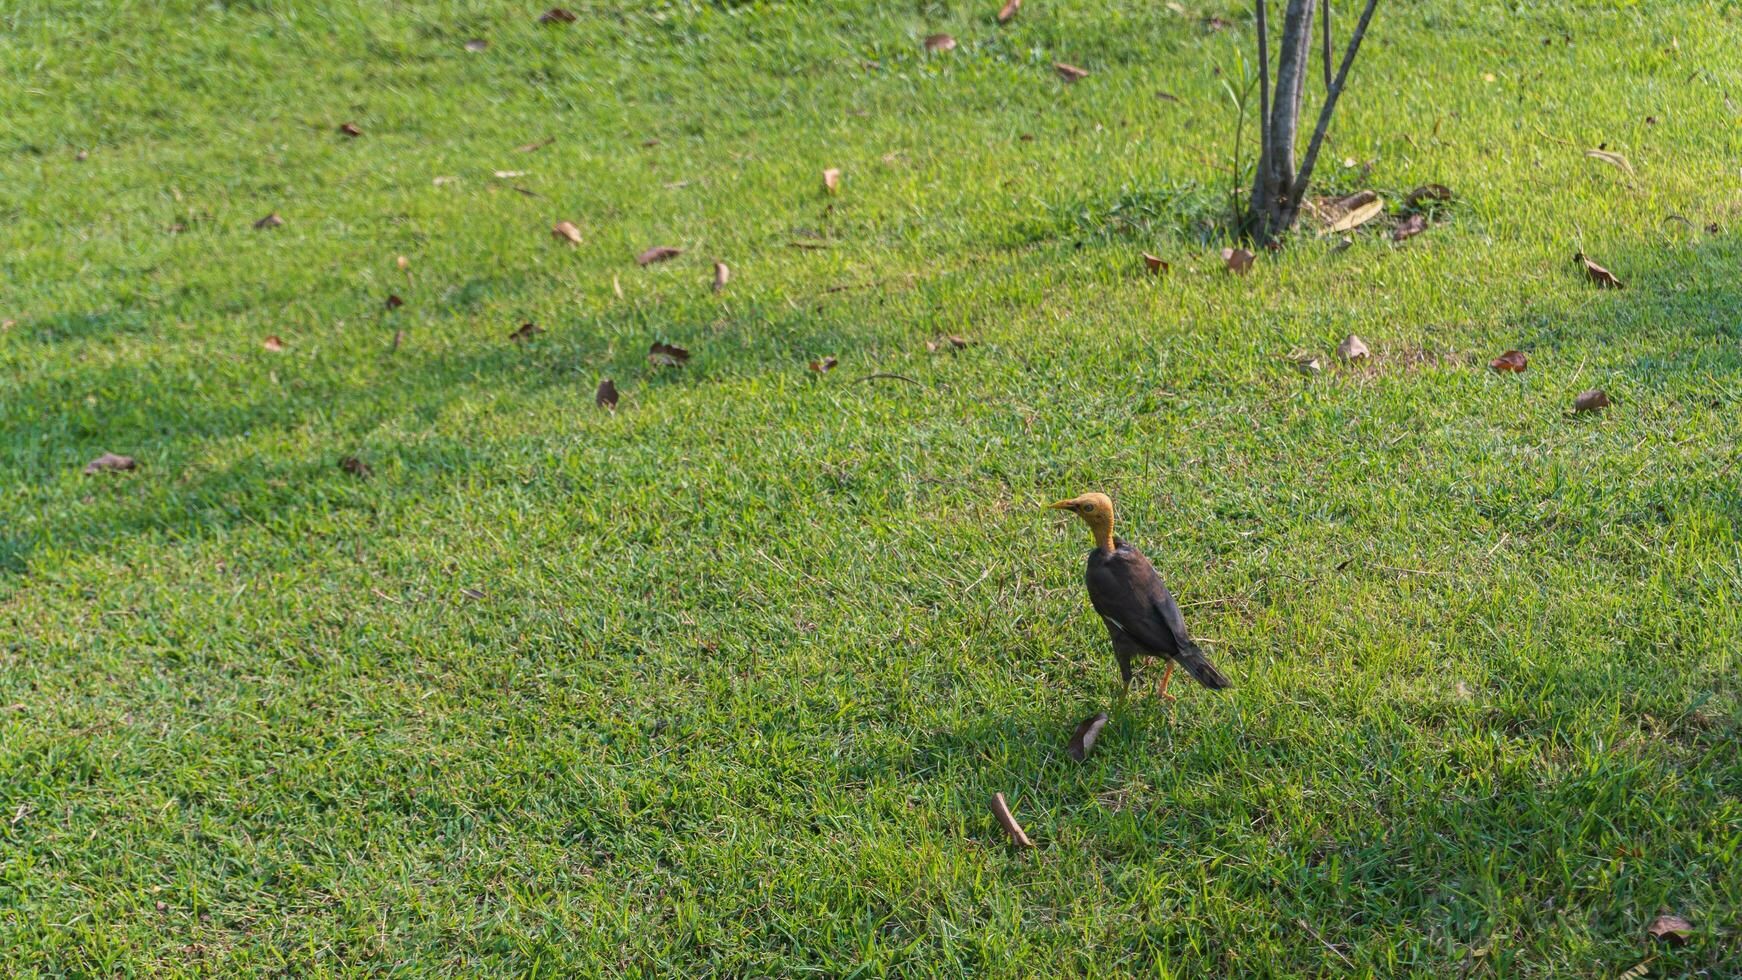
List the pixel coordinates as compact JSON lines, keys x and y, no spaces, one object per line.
{"x":1096,"y":510}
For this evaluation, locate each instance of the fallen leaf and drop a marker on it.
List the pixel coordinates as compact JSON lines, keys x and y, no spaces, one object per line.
{"x":557,"y":15}
{"x":1712,"y":229}
{"x":8,"y":324}
{"x":606,"y":396}
{"x":931,"y":345}
{"x":350,"y":129}
{"x":508,"y":174}
{"x":721,"y":275}
{"x":82,"y":156}
{"x":398,"y":338}
{"x":1597,"y":274}
{"x":1611,"y":158}
{"x":1156,"y":264}
{"x":272,"y":343}
{"x":1008,"y":10}
{"x":1358,"y":216}
{"x":1083,"y":740}
{"x":474,"y":593}
{"x":566,"y":231}
{"x":832,"y":180}
{"x":1215,"y":23}
{"x":1237,"y":260}
{"x":1308,"y":364}
{"x":1167,"y":96}
{"x":356,"y":467}
{"x":270,"y":221}
{"x":1513,"y":361}
{"x":477,"y":44}
{"x":658,"y":253}
{"x":940,"y":42}
{"x":1411,"y":226}
{"x":1590,"y":400}
{"x":1427,"y":192}
{"x":1488,"y":77}
{"x":402,"y":262}
{"x":1353,"y":348}
{"x":394,"y":302}
{"x":1342,"y":244}
{"x":666,"y":355}
{"x":439,"y":181}
{"x":110,"y":461}
{"x":824,"y":366}
{"x":649,"y":143}
{"x":527,"y":331}
{"x":532,"y":147}
{"x":1001,"y":810}
{"x":1672,"y":929}
{"x":1069,"y":73}
{"x":959,"y":342}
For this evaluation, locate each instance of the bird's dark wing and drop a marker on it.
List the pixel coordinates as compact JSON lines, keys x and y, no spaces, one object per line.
{"x":1125,"y":589}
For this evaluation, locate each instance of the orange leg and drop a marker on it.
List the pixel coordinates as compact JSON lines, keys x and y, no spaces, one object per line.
{"x":1166,"y":676}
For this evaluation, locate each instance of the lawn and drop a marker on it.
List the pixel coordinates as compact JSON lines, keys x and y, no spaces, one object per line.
{"x":721,"y":682}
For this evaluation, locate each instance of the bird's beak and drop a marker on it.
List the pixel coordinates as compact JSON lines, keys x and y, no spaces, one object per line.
{"x":1061,"y":505}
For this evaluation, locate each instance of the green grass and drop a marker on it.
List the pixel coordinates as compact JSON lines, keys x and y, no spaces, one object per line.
{"x":752,"y":652}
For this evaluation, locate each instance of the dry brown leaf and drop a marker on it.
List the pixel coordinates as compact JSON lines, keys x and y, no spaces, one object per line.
{"x":721,"y":275}
{"x":1083,"y":740}
{"x":356,"y":467}
{"x":1410,"y":227}
{"x":1215,"y":23}
{"x":832,"y":180}
{"x":402,"y":262}
{"x":658,"y":253}
{"x":557,"y":15}
{"x":1613,"y":159}
{"x":606,"y":396}
{"x":1672,"y":929}
{"x":1590,"y":400}
{"x":534,"y":147}
{"x":1008,"y":10}
{"x":1237,"y":260}
{"x":1357,"y":216}
{"x":1353,"y":348}
{"x":1001,"y":810}
{"x":1512,"y":361}
{"x":272,"y":343}
{"x":1167,"y":96}
{"x":566,"y":231}
{"x":82,"y":155}
{"x":440,"y":181}
{"x":477,"y":44}
{"x":1308,"y":364}
{"x":959,"y":342}
{"x":110,"y":461}
{"x":1069,"y":73}
{"x":508,"y":174}
{"x":270,"y":221}
{"x":350,"y":129}
{"x":398,"y":338}
{"x":526,"y":331}
{"x":394,"y":302}
{"x":474,"y":594}
{"x":824,"y":366}
{"x":931,"y":346}
{"x":940,"y":42}
{"x":1597,"y":274}
{"x":1427,"y":192}
{"x":1156,"y":264}
{"x":666,"y":355}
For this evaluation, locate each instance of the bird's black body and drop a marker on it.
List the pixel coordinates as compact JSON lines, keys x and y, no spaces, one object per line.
{"x":1142,"y":617}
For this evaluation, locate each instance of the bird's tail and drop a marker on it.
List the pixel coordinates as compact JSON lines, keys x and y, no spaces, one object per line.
{"x":1199,"y":666}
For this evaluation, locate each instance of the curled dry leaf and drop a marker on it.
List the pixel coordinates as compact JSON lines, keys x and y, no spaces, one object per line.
{"x":270,"y":221}
{"x":110,"y":461}
{"x":832,"y":180}
{"x":1069,"y":73}
{"x":272,"y":343}
{"x":557,"y":15}
{"x":402,"y":262}
{"x":1156,"y":264}
{"x":1613,"y":159}
{"x":526,"y":331}
{"x":1308,"y":364}
{"x":1597,"y":274}
{"x":824,"y":366}
{"x":606,"y":396}
{"x":721,"y":275}
{"x":658,"y":253}
{"x":1410,"y":227}
{"x":1237,"y":260}
{"x":474,"y":594}
{"x":1672,"y":929}
{"x":1591,"y":400}
{"x":940,"y":42}
{"x":477,"y":44}
{"x":1512,"y":361}
{"x":566,"y":231}
{"x":1427,"y":192}
{"x":1353,"y":348}
{"x":1358,"y":215}
{"x":394,"y":302}
{"x":82,"y":156}
{"x":350,"y":129}
{"x":958,"y":342}
{"x":1083,"y":740}
{"x":1215,"y":23}
{"x":1008,"y":10}
{"x":356,"y":467}
{"x":666,"y":355}
{"x":1001,"y":810}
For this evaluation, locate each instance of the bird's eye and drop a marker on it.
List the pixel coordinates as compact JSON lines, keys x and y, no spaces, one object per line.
{"x":1086,"y":508}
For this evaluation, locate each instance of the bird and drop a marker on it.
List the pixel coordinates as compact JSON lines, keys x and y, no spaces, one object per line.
{"x":1141,"y":616}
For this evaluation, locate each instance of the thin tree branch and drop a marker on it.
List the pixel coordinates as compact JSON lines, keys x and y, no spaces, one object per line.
{"x":1298,"y":192}
{"x":1260,"y":196}
{"x":1325,"y":34}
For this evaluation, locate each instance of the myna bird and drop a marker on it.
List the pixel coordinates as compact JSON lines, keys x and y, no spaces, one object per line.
{"x":1142,"y":618}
